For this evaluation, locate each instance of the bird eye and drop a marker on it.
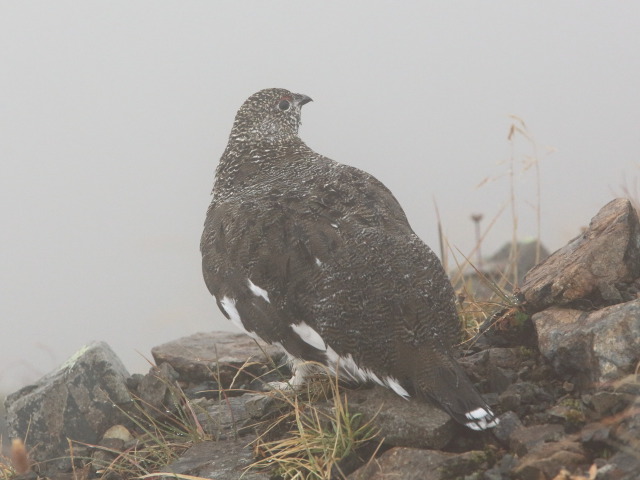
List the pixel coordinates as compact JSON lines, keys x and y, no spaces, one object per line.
{"x":284,"y":105}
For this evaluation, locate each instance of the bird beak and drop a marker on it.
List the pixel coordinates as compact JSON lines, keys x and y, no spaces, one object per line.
{"x":300,"y":100}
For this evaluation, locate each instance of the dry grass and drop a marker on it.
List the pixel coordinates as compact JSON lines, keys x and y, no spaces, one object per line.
{"x":305,"y":442}
{"x":160,"y":437}
{"x":7,"y":471}
{"x":317,"y":438}
{"x":484,"y":293}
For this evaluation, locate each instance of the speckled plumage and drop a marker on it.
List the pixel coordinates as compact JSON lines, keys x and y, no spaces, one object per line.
{"x":319,"y":257}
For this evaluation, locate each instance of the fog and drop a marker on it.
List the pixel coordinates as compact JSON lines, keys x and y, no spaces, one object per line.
{"x":113,"y":116}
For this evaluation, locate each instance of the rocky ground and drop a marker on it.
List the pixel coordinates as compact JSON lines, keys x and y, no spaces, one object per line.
{"x":559,"y":365}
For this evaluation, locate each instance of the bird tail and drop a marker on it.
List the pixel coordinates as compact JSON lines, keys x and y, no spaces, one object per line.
{"x":444,"y":382}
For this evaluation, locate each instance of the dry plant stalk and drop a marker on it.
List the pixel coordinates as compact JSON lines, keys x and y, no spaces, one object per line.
{"x":317,"y":439}
{"x":19,"y":456}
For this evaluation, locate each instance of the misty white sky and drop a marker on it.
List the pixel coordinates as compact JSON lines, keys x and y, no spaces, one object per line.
{"x":113,"y":116}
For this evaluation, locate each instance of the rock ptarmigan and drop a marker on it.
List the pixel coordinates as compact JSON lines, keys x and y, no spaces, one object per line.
{"x":318,"y":257}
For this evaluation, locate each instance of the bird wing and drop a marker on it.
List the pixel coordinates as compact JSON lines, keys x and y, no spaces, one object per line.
{"x":337,"y":254}
{"x":259,"y":254}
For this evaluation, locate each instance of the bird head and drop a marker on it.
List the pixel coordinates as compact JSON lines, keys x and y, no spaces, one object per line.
{"x":271,"y":115}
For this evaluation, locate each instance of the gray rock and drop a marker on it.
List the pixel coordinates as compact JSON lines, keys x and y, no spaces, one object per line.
{"x":494,"y":367}
{"x":524,"y":439}
{"x":595,"y":433}
{"x":467,"y":465}
{"x":583,"y":347}
{"x":509,"y":423}
{"x":626,"y":434}
{"x":207,"y":356}
{"x":413,"y":463}
{"x":523,"y":393}
{"x":570,"y":411}
{"x":629,"y":385}
{"x":259,"y":405}
{"x":622,"y":466}
{"x":103,"y":457}
{"x":155,"y":388}
{"x":226,"y":418}
{"x":78,"y":401}
{"x":606,"y":403}
{"x":402,"y":423}
{"x":405,"y":463}
{"x":592,"y":265}
{"x":219,"y":461}
{"x":501,"y":469}
{"x":547,"y":459}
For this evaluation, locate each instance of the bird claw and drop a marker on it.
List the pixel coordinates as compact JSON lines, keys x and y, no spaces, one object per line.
{"x":279,"y":386}
{"x":287,"y":386}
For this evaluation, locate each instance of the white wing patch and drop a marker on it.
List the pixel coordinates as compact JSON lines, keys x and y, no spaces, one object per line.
{"x":345,"y":366}
{"x":476,"y":414}
{"x":229,"y":305}
{"x":394,"y":385}
{"x":480,"y":419}
{"x":257,"y":291}
{"x":309,"y":335}
{"x":349,"y":369}
{"x":318,"y":262}
{"x":301,"y":370}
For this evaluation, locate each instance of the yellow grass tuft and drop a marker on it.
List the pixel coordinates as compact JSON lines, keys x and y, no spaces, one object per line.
{"x":317,"y":438}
